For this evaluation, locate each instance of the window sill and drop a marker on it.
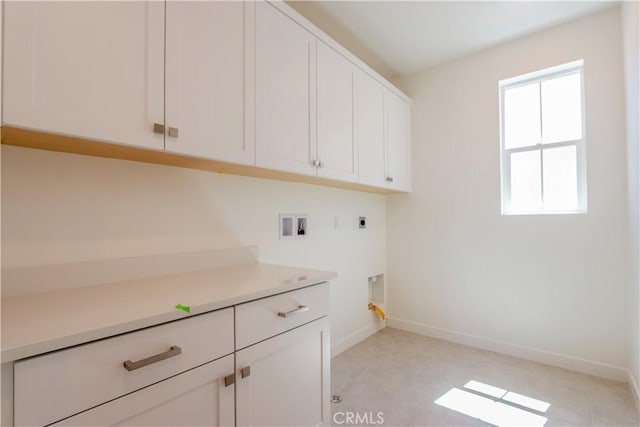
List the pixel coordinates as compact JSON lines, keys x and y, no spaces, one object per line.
{"x":537,"y":213}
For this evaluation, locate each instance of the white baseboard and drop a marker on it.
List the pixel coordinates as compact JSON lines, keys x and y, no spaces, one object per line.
{"x":353,"y":339}
{"x":541,"y":356}
{"x":635,"y":391}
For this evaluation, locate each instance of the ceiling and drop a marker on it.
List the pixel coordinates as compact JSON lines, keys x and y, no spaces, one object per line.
{"x":402,"y":37}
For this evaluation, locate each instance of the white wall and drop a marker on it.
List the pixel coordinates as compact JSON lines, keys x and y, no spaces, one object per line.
{"x":59,"y":207}
{"x":312,"y":11}
{"x":552,"y":288}
{"x":631,"y":30}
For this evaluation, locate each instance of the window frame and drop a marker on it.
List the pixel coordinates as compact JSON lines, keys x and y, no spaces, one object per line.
{"x":580,"y":144}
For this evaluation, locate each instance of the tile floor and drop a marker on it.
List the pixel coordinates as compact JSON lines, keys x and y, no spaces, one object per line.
{"x":401,"y":374}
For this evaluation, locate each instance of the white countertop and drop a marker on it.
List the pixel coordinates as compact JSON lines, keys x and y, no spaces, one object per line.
{"x":42,"y":322}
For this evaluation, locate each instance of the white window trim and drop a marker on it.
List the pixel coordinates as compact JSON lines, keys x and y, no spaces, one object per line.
{"x":580,"y":144}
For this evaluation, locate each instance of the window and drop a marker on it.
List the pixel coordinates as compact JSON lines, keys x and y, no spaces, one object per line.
{"x":542,"y":142}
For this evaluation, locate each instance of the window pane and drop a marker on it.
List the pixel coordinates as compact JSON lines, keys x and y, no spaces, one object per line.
{"x":526,"y":191}
{"x":522,"y":116}
{"x":562,"y":109}
{"x":560,"y":176}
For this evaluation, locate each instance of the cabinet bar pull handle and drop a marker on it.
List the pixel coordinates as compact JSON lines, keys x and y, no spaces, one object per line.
{"x":389,"y":179}
{"x":300,"y":309}
{"x":229,"y":380}
{"x":173,"y":132}
{"x":158,"y":128}
{"x":245,"y":372}
{"x":174,"y":350}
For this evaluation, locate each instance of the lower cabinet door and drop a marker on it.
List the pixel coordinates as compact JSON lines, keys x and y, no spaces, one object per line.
{"x":197,"y":397}
{"x":284,"y":381}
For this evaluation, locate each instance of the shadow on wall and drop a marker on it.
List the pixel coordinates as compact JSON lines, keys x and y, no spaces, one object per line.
{"x":62,"y":208}
{"x":71,"y":208}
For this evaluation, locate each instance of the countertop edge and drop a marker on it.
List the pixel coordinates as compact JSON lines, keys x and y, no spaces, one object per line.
{"x":13,"y":354}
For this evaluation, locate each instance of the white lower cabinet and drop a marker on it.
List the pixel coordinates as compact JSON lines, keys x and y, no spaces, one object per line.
{"x":56,"y":385}
{"x":264,"y":362}
{"x":286,"y":379}
{"x":198,"y":397}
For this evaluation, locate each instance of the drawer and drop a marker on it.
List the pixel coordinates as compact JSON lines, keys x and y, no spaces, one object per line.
{"x":50,"y":387}
{"x":264,"y":318}
{"x":197,"y":398}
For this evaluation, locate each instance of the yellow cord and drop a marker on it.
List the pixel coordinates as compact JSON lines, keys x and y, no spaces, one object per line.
{"x":377,"y":310}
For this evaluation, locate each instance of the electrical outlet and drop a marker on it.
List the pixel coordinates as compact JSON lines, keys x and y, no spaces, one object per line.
{"x":362,"y":222}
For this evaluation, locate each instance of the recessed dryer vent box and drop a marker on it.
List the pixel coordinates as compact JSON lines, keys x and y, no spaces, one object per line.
{"x":293,"y":226}
{"x":376,"y":289}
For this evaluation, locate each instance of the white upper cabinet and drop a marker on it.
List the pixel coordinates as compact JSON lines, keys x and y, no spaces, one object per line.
{"x":398,"y":135}
{"x":335,"y":107}
{"x":383,"y":121}
{"x":285,"y":93}
{"x":87,"y":69}
{"x":244,"y":82}
{"x":205,"y":80}
{"x":369,"y":113}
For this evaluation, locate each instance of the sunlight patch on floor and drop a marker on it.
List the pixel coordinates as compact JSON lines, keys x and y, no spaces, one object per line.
{"x":529,"y":402}
{"x":507,"y":410}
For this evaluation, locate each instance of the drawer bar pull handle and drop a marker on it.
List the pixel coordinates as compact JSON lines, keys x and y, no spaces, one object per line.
{"x":174,"y":350}
{"x":300,"y":309}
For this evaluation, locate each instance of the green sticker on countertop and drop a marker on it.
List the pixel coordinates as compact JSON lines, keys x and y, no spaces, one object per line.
{"x":183,"y":308}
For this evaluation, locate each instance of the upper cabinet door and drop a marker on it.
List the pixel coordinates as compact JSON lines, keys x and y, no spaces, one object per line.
{"x":87,"y":69}
{"x":285,"y":93}
{"x":370,"y":130}
{"x":398,"y":131}
{"x":205,"y":76}
{"x":336,"y":142}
